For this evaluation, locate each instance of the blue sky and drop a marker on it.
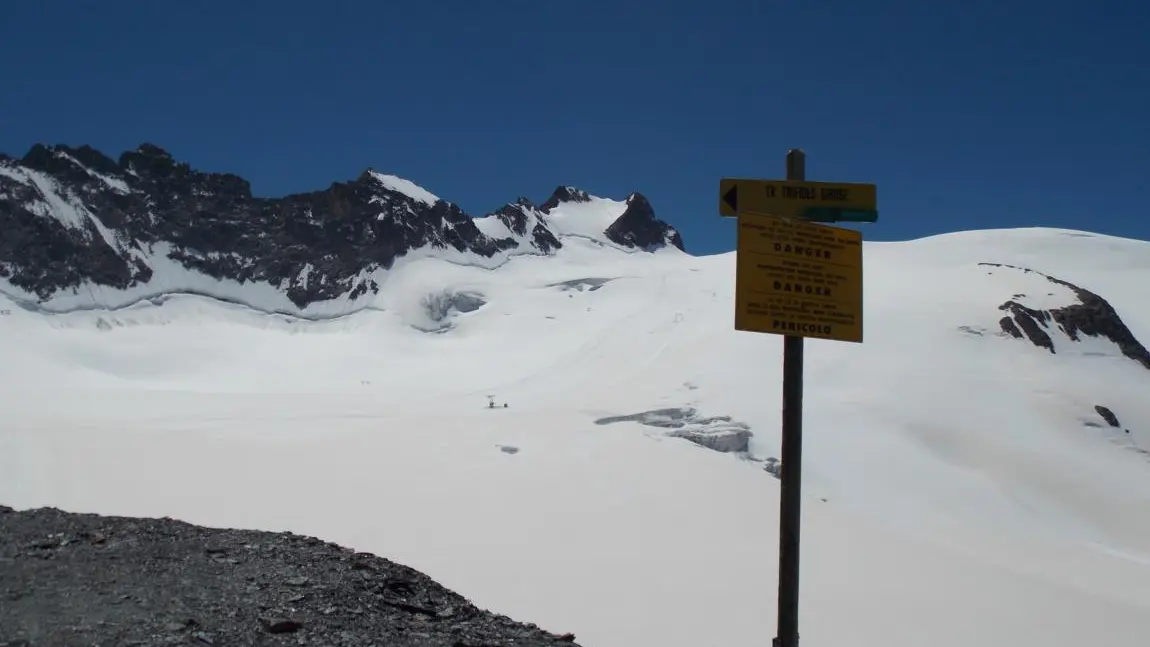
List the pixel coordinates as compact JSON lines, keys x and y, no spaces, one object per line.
{"x":974,"y":114}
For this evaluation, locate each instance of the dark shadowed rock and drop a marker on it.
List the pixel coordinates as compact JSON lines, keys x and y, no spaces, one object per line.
{"x":1092,"y":316}
{"x":521,"y":215}
{"x":1030,"y":323}
{"x":1009,"y":327}
{"x":151,"y":581}
{"x":1107,"y":415}
{"x":564,"y":194}
{"x":543,"y":240}
{"x":71,"y":216}
{"x":638,"y":227}
{"x":281,"y":625}
{"x":515,"y":215}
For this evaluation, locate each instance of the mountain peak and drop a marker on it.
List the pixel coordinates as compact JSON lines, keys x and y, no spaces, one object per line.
{"x":150,"y":159}
{"x":151,"y":150}
{"x":525,"y":224}
{"x":563,"y":194}
{"x":638,"y":227}
{"x":396,"y":184}
{"x":77,"y":166}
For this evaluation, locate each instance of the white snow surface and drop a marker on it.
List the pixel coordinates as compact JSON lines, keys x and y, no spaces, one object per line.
{"x":406,"y":187}
{"x":585,"y":219}
{"x":953,"y":494}
{"x":493,"y":227}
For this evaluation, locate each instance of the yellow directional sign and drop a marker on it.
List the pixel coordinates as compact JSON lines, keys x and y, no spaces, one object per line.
{"x":798,"y":278}
{"x":793,"y":197}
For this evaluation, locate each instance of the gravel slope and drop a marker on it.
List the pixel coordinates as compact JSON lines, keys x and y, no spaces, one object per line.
{"x":83,"y":579}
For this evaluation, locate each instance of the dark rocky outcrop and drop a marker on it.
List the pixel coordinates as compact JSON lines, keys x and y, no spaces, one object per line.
{"x":1030,"y":324}
{"x":638,"y":227}
{"x":564,"y":194}
{"x":1092,"y":316}
{"x":82,"y":579}
{"x":71,"y":216}
{"x":521,"y":215}
{"x":515,"y":215}
{"x":1107,"y":415}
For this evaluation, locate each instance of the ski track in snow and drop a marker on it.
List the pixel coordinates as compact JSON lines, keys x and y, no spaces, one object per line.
{"x":954,"y":495}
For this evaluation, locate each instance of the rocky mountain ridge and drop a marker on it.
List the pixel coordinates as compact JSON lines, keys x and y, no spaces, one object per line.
{"x":74,"y":219}
{"x":1089,"y":315}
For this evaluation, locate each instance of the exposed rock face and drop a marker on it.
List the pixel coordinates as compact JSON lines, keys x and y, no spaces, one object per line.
{"x":73,"y":217}
{"x":564,"y":194}
{"x":1092,"y":316}
{"x":1107,"y":415}
{"x":638,"y":227}
{"x":71,"y":579}
{"x":1030,"y":324}
{"x":521,"y":215}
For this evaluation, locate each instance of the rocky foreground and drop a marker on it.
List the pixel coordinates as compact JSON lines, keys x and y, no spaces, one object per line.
{"x":84,"y":579}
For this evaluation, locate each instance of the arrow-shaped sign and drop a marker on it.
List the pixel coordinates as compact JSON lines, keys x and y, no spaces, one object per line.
{"x":793,"y":198}
{"x":731,"y":197}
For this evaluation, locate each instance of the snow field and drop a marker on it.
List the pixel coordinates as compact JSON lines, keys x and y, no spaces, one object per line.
{"x":966,"y":502}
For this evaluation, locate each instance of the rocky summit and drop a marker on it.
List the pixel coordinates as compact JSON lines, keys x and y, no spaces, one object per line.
{"x":74,"y":218}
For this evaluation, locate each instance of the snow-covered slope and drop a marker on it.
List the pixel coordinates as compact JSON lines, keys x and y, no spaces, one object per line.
{"x":964,"y":485}
{"x":583,"y":215}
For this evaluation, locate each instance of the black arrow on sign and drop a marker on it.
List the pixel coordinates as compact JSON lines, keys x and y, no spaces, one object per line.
{"x":731,"y":197}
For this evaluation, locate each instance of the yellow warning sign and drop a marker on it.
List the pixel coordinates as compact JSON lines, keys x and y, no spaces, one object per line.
{"x":798,"y":278}
{"x":793,"y":197}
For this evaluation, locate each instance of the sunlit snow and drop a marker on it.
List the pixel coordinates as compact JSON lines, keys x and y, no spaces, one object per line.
{"x":406,"y":187}
{"x":586,"y":219}
{"x":955,"y":495}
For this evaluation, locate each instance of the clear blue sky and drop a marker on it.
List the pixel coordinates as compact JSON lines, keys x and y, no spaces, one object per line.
{"x":973,"y":114}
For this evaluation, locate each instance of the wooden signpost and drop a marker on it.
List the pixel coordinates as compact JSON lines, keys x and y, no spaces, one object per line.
{"x":797,"y":279}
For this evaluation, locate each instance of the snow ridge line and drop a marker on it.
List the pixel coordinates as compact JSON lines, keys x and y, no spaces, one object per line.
{"x":163,"y":297}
